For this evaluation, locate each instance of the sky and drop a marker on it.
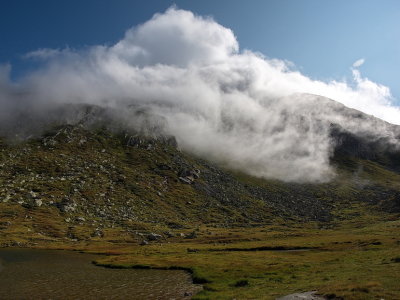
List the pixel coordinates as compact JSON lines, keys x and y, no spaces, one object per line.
{"x":245,"y":85}
{"x":321,"y":38}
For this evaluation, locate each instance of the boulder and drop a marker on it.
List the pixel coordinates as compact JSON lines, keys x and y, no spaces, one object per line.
{"x":38,"y":202}
{"x":154,"y":236}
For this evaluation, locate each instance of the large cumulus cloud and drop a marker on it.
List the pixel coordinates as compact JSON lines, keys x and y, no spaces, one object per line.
{"x":187,"y":72}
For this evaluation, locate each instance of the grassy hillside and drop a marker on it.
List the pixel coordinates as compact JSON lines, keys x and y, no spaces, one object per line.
{"x":150,"y":204}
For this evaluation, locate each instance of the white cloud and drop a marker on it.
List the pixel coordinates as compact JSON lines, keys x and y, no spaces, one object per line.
{"x":44,"y":53}
{"x":359,"y":63}
{"x":176,"y":37}
{"x":186,"y":71}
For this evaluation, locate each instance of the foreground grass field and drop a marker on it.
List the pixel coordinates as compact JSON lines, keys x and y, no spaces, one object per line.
{"x":354,"y":263}
{"x":356,"y":259}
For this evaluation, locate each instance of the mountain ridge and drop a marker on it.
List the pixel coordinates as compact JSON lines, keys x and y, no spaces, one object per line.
{"x":167,"y":186}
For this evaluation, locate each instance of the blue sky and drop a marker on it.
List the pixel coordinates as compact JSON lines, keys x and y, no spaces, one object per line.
{"x":322,"y":38}
{"x":187,"y":73}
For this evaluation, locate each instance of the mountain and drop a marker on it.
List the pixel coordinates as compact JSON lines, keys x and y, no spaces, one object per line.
{"x":82,"y":177}
{"x":116,"y":182}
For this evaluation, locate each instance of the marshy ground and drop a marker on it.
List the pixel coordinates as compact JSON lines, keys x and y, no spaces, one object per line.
{"x":353,"y":261}
{"x":356,"y":259}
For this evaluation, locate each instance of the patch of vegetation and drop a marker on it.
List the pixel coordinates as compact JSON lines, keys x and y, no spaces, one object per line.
{"x":241,"y":283}
{"x":143,"y":204}
{"x":396,"y":259}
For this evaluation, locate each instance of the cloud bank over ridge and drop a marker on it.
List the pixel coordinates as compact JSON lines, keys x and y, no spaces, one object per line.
{"x":237,"y":107}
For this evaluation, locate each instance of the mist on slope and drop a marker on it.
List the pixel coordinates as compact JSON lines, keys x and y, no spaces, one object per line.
{"x":188,"y":75}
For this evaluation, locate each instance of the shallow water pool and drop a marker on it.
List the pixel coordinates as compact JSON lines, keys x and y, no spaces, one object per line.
{"x":54,"y":274}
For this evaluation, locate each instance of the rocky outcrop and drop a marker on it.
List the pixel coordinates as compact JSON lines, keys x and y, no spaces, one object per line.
{"x":189,"y":176}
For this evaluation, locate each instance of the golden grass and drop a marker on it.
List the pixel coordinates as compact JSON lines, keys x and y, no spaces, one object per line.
{"x":350,"y":263}
{"x":356,"y":259}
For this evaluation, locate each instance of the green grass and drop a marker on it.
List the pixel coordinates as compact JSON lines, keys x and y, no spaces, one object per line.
{"x":351,"y":263}
{"x":349,"y":225}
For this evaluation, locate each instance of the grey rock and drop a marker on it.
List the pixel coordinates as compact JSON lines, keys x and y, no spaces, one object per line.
{"x":302,"y":296}
{"x":32,"y":194}
{"x":80,"y":219}
{"x":189,"y":176}
{"x":6,"y":198}
{"x":185,"y":180}
{"x":154,"y":236}
{"x":97,"y":232}
{"x":66,"y":206}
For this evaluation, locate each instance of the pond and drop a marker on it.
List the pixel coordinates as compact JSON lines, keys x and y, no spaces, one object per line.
{"x":55,"y":274}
